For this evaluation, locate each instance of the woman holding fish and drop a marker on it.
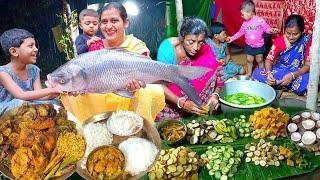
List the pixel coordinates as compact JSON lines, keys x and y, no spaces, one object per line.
{"x":190,"y":49}
{"x":114,"y":21}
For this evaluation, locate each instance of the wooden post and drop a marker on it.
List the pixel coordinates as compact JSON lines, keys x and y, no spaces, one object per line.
{"x":312,"y":96}
{"x":179,"y":12}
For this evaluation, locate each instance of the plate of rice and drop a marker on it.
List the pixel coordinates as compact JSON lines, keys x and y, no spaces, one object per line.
{"x":125,"y":123}
{"x":135,"y":136}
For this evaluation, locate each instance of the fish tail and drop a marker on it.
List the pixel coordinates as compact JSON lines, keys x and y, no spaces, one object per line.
{"x":192,"y":72}
{"x":181,"y":76}
{"x":188,"y":89}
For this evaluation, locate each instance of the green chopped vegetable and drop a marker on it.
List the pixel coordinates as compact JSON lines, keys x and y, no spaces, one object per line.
{"x":244,"y":99}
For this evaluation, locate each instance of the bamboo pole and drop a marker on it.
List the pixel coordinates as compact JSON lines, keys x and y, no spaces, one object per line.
{"x":312,"y":96}
{"x":179,"y":12}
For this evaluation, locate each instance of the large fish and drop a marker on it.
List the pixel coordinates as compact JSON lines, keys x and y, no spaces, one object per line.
{"x":110,"y":70}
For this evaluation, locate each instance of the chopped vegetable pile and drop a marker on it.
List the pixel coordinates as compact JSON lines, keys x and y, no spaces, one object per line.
{"x":222,"y":162}
{"x":244,"y":99}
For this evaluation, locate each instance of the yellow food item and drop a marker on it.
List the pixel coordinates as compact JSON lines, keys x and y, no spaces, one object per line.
{"x":22,"y":164}
{"x":173,"y":132}
{"x":269,"y":122}
{"x":106,"y":163}
{"x":176,"y":163}
{"x":290,"y":162}
{"x":31,"y":132}
{"x":71,"y":144}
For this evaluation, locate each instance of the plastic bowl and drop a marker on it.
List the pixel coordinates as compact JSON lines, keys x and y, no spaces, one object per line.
{"x":246,"y":86}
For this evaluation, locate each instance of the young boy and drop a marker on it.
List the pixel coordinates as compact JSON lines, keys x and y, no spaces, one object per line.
{"x":221,"y":50}
{"x":253,"y":28}
{"x":89,"y":23}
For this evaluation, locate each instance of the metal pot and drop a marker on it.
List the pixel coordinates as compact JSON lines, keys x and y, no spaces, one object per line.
{"x":246,"y":86}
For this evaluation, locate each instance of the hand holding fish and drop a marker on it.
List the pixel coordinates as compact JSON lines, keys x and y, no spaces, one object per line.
{"x":134,"y":85}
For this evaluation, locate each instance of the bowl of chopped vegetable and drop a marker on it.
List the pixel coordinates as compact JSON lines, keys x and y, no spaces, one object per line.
{"x":172,"y":131}
{"x":245,"y":94}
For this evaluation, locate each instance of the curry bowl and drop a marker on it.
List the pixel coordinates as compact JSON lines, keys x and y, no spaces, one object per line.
{"x":172,"y":131}
{"x":106,"y":162}
{"x":246,"y":86}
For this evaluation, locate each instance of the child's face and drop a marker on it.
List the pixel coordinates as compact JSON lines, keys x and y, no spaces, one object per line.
{"x":27,"y":51}
{"x":221,"y":37}
{"x":89,"y":25}
{"x":246,"y":15}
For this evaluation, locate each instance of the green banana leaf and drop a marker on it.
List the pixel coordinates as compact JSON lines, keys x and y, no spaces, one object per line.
{"x":249,"y":171}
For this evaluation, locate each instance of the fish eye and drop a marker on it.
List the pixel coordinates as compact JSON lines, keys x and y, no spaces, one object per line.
{"x":62,"y":81}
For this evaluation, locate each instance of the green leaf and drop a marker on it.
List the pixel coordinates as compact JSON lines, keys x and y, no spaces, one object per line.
{"x":249,"y":171}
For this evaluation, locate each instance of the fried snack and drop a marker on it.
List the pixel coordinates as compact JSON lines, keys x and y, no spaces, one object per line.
{"x":43,"y":110}
{"x":45,"y":124}
{"x":6,"y":132}
{"x":13,"y":138}
{"x":106,"y":163}
{"x":30,"y":114}
{"x":1,"y":139}
{"x":21,"y":164}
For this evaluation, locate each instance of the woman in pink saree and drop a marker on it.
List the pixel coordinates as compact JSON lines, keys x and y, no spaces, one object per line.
{"x":190,"y":49}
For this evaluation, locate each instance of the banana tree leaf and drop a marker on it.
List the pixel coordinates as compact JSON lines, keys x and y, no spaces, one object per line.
{"x":249,"y":171}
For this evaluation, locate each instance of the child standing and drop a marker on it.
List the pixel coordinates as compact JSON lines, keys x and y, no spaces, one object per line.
{"x":89,"y":23}
{"x":221,"y":50}
{"x":20,"y":79}
{"x":253,"y":28}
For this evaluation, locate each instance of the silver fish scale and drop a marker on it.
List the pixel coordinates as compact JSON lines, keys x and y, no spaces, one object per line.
{"x":108,"y":70}
{"x":119,"y":72}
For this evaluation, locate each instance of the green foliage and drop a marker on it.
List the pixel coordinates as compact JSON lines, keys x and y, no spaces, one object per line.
{"x":68,"y":23}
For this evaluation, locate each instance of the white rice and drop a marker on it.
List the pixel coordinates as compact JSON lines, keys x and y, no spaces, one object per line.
{"x":139,"y":154}
{"x":96,"y":134}
{"x":125,"y":123}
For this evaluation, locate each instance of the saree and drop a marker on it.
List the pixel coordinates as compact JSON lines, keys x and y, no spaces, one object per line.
{"x":204,"y":85}
{"x":148,"y":102}
{"x":289,"y":60}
